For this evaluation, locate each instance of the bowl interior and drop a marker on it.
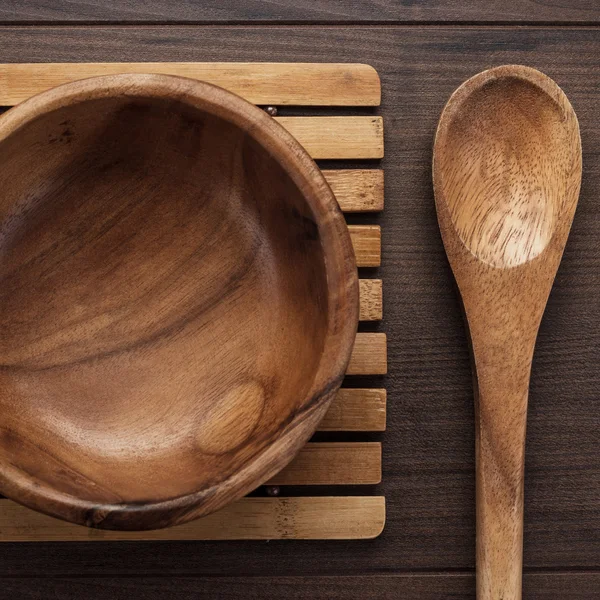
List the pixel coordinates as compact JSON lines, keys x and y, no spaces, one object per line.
{"x":163,"y":306}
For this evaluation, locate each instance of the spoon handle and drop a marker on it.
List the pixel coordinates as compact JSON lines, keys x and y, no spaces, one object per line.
{"x":501,"y":414}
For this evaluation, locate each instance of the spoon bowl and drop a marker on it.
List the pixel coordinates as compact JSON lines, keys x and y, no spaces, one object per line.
{"x":507,"y":174}
{"x":505,"y":168}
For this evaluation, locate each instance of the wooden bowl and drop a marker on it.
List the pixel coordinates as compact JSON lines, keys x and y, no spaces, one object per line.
{"x":178,"y":300}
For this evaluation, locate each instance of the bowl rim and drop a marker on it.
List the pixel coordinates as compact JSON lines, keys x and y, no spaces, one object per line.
{"x":343,"y":299}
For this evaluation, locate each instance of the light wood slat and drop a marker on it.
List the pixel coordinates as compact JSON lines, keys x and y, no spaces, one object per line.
{"x":337,"y":137}
{"x":302,"y":84}
{"x":369,"y":356}
{"x":366,"y":240}
{"x":371,"y":299}
{"x":357,"y":190}
{"x":333,"y":463}
{"x":356,"y":410}
{"x":344,"y":517}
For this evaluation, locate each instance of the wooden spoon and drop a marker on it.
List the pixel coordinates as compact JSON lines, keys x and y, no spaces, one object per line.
{"x":506,"y":173}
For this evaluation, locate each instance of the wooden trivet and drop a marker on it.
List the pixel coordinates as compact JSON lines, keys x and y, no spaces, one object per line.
{"x":358,"y":191}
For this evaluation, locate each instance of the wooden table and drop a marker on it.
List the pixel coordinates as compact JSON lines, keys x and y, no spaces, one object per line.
{"x":423,"y":51}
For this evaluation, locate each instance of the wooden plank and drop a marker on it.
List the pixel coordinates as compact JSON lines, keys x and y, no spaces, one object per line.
{"x":356,"y":409}
{"x":364,"y":12}
{"x":337,"y":137}
{"x":303,"y":84}
{"x":306,"y":518}
{"x":371,"y":299}
{"x":396,"y":583}
{"x":366,"y":240}
{"x":369,"y":356}
{"x":357,"y":190}
{"x":333,"y":463}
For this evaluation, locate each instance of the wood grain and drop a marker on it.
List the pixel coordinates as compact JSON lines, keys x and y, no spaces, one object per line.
{"x":306,"y":518}
{"x":286,"y":11}
{"x":299,"y":84}
{"x":369,"y":356}
{"x":504,"y":223}
{"x":339,"y":463}
{"x":133,"y":315}
{"x":337,"y":137}
{"x":333,"y":463}
{"x":429,"y":470}
{"x":356,"y":410}
{"x":371,"y":299}
{"x":357,"y":190}
{"x":366,"y":240}
{"x":385,"y":586}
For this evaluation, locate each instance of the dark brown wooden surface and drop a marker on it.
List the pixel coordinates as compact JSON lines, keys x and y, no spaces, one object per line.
{"x":427,"y":549}
{"x":407,"y":586}
{"x":294,"y":11}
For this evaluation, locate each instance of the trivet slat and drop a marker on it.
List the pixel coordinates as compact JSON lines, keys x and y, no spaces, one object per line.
{"x":366,"y":240}
{"x":350,"y":517}
{"x":300,"y":84}
{"x":333,"y":463}
{"x":369,"y":356}
{"x":371,"y":299}
{"x":357,"y":190}
{"x":337,"y":137}
{"x":356,"y":410}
